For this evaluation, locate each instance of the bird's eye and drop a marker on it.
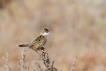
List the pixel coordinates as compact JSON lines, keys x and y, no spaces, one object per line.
{"x":46,"y":30}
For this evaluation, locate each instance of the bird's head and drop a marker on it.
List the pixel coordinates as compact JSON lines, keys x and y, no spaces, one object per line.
{"x":44,"y":32}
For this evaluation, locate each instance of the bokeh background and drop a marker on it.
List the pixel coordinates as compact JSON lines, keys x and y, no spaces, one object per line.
{"x":78,"y":28}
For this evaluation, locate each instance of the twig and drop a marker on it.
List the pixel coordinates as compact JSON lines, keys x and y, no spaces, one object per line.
{"x":22,"y":61}
{"x":73,"y":64}
{"x":6,"y":66}
{"x":46,"y":61}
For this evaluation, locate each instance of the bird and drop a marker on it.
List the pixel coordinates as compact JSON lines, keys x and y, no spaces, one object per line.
{"x":39,"y":42}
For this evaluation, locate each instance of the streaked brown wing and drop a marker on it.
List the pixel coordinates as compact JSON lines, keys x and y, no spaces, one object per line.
{"x":38,"y":43}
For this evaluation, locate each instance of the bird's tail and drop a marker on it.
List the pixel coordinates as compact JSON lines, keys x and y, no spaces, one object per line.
{"x":23,"y":45}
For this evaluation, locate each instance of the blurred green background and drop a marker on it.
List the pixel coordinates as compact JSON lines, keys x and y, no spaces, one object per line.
{"x":77,"y":28}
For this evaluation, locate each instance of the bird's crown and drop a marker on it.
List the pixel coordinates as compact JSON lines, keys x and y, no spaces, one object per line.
{"x":45,"y":32}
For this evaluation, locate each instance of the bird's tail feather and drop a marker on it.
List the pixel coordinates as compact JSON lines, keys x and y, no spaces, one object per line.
{"x":23,"y":45}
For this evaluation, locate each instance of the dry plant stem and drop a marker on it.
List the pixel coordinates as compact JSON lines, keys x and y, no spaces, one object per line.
{"x":46,"y":61}
{"x":37,"y":65}
{"x":73,"y":64}
{"x":6,"y":66}
{"x":22,"y":61}
{"x":45,"y":58}
{"x":28,"y":66}
{"x":52,"y":66}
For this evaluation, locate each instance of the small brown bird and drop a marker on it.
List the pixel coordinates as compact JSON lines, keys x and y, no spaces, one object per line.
{"x":39,"y":42}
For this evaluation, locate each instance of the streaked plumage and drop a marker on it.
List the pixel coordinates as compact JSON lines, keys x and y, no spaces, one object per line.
{"x":39,"y":42}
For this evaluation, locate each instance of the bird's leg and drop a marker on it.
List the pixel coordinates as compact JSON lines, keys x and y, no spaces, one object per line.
{"x":43,"y":52}
{"x":38,"y":53}
{"x":41,"y":55}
